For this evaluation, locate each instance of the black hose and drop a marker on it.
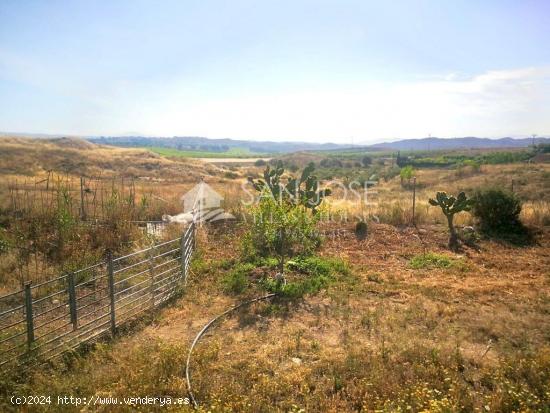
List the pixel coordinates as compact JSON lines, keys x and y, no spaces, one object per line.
{"x":201,"y":333}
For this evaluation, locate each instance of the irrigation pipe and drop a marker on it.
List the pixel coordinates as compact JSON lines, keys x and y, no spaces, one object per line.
{"x":201,"y":333}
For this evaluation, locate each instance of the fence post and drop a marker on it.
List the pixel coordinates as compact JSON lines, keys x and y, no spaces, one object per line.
{"x":111,"y":280}
{"x":414,"y":199}
{"x":182,"y":257}
{"x":192,"y":248}
{"x":29,"y":316}
{"x":82,"y":203}
{"x":152,"y":274}
{"x":72,"y":300}
{"x":194,"y":235}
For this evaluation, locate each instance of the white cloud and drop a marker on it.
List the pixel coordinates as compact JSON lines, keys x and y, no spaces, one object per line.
{"x":495,"y":103}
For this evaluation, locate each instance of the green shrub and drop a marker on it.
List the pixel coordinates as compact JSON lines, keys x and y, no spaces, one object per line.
{"x":361,"y":230}
{"x":331,"y":163}
{"x":281,"y":230}
{"x":467,"y":166}
{"x":390,"y":173}
{"x":236,"y":281}
{"x":366,"y":161}
{"x":311,"y":265}
{"x":284,"y":220}
{"x":430,"y":260}
{"x":317,"y":273}
{"x":497,"y":212}
{"x":495,"y":158}
{"x":407,"y":172}
{"x":230,"y":175}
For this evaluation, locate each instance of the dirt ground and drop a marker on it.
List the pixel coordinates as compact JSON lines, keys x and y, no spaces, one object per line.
{"x":473,"y":336}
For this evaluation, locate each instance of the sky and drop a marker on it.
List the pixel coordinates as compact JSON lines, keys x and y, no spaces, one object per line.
{"x":301,"y":70}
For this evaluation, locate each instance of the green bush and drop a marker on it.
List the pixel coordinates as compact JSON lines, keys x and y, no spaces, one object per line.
{"x":230,"y":175}
{"x":284,"y":220}
{"x":361,"y":230}
{"x":430,"y":260}
{"x":309,"y":265}
{"x":407,"y":173}
{"x":318,"y":273}
{"x":331,"y":163}
{"x":366,"y":161}
{"x":497,"y":212}
{"x":390,"y":173}
{"x":281,"y":230}
{"x":236,"y":281}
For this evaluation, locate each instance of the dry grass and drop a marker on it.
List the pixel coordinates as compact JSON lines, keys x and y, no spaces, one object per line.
{"x":41,"y":218}
{"x":468,"y":337}
{"x":73,"y":156}
{"x":391,"y":203}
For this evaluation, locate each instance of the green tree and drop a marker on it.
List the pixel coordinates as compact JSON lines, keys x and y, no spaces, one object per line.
{"x":407,"y":172}
{"x":366,"y":161}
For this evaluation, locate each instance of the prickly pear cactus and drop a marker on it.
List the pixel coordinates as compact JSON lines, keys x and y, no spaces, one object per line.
{"x":450,"y":206}
{"x":304,"y":190}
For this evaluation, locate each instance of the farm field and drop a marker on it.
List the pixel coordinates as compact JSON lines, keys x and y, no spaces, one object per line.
{"x":232,"y":153}
{"x":392,"y":322}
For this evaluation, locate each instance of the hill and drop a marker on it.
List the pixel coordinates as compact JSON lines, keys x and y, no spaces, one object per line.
{"x":219,"y":146}
{"x":427,"y":144}
{"x":74,"y":156}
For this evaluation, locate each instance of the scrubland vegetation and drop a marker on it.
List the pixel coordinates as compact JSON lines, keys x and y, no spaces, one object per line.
{"x":390,"y":321}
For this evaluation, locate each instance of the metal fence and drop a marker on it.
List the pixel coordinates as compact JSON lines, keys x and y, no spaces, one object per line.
{"x":43,"y":321}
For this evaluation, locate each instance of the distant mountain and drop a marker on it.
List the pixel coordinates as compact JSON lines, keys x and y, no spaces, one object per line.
{"x":195,"y":143}
{"x":213,"y":145}
{"x":222,"y":145}
{"x":427,"y":144}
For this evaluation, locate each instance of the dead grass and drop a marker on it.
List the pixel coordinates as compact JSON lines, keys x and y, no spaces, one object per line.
{"x":73,"y":156}
{"x":390,"y":203}
{"x":471,"y":336}
{"x":457,"y":338}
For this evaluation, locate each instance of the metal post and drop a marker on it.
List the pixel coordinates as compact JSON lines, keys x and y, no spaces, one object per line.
{"x":111,"y":280}
{"x":29,"y":317}
{"x":72,"y":300}
{"x":414,"y":199}
{"x":152,"y":274}
{"x":82,"y":205}
{"x":182,"y":257}
{"x":194,"y":231}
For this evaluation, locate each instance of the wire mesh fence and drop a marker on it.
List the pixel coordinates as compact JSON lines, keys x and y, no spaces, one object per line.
{"x":43,"y":321}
